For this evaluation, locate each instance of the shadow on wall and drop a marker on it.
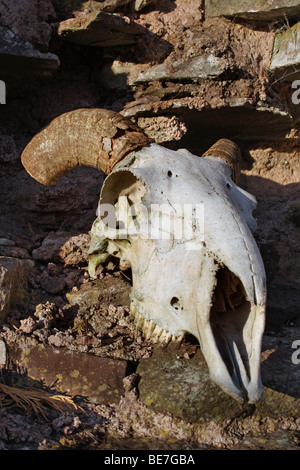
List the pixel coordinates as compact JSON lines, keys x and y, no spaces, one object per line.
{"x":241,"y":124}
{"x":280,"y":369}
{"x":279,"y":373}
{"x":29,"y":210}
{"x":278,"y":238}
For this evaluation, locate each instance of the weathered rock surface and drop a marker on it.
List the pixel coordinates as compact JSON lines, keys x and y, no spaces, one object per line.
{"x":9,"y":151}
{"x":18,"y":56}
{"x":29,"y":212}
{"x":253,"y":9}
{"x":14,"y":251}
{"x":285,"y":62}
{"x":140,"y":4}
{"x":205,"y":66}
{"x":66,"y":8}
{"x":99,"y":29}
{"x":91,"y":293}
{"x":163,"y":128}
{"x":29,"y":19}
{"x":105,"y":5}
{"x":64,"y":247}
{"x":52,"y":284}
{"x":274,"y":180}
{"x":14,"y":276}
{"x":100,"y":379}
{"x":181,"y":386}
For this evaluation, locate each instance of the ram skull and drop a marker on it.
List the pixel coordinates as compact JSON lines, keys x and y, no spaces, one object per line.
{"x":184,"y":227}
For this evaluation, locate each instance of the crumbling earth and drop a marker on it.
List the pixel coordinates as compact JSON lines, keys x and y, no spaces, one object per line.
{"x":92,"y":318}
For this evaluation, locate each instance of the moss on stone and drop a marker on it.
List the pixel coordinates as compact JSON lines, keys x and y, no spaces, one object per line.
{"x":182,"y":387}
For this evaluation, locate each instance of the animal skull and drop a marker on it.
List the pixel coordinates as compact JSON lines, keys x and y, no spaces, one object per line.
{"x":183,"y":226}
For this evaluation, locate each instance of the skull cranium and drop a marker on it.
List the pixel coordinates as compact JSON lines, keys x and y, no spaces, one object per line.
{"x":184,"y":227}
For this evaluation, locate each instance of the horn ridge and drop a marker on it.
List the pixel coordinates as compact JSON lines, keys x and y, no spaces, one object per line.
{"x":94,"y":137}
{"x":229,"y":152}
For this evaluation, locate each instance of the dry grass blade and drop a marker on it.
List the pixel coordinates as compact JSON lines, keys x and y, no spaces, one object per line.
{"x":33,"y":399}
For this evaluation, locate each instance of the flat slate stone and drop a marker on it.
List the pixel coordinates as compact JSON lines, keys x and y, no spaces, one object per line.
{"x":105,"y":5}
{"x":100,"y":379}
{"x":253,"y":9}
{"x":100,"y":29}
{"x":19,"y":56}
{"x":285,"y":62}
{"x":182,"y":387}
{"x":201,"y":67}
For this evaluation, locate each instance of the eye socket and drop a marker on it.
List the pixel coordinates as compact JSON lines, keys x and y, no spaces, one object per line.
{"x":175,"y":303}
{"x":169,"y":173}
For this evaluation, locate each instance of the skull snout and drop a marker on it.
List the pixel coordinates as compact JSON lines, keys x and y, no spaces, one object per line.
{"x":233,"y":319}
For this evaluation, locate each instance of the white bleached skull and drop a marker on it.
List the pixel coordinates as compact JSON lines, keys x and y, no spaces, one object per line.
{"x":183,"y":226}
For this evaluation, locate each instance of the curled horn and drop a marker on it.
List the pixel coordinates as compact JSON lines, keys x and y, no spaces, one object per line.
{"x":229,"y":152}
{"x":99,"y":138}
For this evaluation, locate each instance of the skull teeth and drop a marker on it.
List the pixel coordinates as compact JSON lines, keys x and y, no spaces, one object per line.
{"x":152,"y":331}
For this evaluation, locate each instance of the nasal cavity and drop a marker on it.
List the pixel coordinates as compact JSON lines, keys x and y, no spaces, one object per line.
{"x":175,"y":303}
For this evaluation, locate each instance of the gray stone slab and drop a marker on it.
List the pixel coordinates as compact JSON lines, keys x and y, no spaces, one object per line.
{"x":204,"y":66}
{"x":253,"y":9}
{"x":20,"y":57}
{"x":100,"y":29}
{"x":169,"y":383}
{"x":182,"y":387}
{"x":140,"y":4}
{"x":100,"y":379}
{"x":285,"y":62}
